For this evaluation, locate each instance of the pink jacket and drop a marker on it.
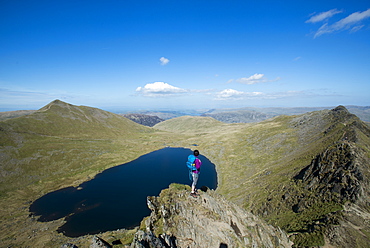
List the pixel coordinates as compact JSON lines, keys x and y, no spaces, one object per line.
{"x":198,"y":164}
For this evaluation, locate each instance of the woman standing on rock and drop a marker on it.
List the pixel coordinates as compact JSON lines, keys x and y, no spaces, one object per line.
{"x":194,"y":164}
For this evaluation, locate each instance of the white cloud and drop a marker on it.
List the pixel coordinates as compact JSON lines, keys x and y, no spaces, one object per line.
{"x":356,"y":28}
{"x":256,"y":78}
{"x":228,"y":93}
{"x":159,"y":89}
{"x":323,"y":16}
{"x":164,"y":61}
{"x":352,"y":22}
{"x":231,"y":94}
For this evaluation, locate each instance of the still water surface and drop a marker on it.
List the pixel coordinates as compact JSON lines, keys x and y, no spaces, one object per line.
{"x":116,"y":198}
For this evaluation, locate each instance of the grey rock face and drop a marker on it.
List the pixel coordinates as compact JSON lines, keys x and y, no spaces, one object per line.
{"x":149,"y":240}
{"x":146,"y":120}
{"x":99,"y":243}
{"x":68,"y":245}
{"x":208,"y":220}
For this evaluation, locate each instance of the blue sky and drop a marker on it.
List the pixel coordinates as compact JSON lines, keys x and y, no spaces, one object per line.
{"x":163,"y":54}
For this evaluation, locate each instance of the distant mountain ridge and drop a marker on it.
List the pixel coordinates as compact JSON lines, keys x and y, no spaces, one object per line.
{"x":14,"y":114}
{"x":227,"y":115}
{"x":249,"y":115}
{"x":146,"y":120}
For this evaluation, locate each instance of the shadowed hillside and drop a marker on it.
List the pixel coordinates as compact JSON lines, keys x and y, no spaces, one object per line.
{"x":146,"y":120}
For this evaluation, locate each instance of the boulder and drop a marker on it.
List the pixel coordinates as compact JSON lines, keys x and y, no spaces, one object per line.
{"x":99,"y":243}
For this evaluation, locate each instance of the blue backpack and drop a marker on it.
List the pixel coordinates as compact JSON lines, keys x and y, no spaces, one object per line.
{"x":191,"y":165}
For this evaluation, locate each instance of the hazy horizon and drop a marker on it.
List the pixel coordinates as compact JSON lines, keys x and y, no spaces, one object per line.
{"x":118,"y":109}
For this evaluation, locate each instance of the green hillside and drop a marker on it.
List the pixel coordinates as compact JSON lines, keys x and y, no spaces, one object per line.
{"x":258,"y":165}
{"x":307,"y":174}
{"x":189,"y":124}
{"x":65,"y":120}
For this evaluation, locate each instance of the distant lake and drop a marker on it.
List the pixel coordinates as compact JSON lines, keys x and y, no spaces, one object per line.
{"x":116,"y":198}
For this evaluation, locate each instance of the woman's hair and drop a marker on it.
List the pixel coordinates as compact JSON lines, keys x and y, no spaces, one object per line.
{"x":196,"y":153}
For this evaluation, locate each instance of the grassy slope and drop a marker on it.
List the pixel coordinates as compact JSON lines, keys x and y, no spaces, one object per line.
{"x":189,"y":124}
{"x":256,"y":164}
{"x":62,"y":145}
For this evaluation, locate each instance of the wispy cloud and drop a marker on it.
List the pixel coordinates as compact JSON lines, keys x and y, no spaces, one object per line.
{"x":29,"y":98}
{"x":356,"y":28}
{"x":231,"y":94}
{"x":254,"y":79}
{"x":159,"y":89}
{"x":164,"y":61}
{"x":323,"y":16}
{"x":352,"y":22}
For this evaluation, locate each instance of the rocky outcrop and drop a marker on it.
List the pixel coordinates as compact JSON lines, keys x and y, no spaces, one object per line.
{"x":99,"y":243}
{"x":146,"y":120}
{"x":341,"y":172}
{"x":340,"y":175}
{"x":149,"y":240}
{"x":209,"y":220}
{"x":337,"y":172}
{"x":69,"y":245}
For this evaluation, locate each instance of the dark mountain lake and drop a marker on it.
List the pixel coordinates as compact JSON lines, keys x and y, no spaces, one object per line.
{"x":116,"y":198}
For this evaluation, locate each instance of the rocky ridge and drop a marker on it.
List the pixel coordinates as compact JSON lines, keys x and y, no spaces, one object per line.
{"x":325,"y":201}
{"x":328,"y":198}
{"x":209,"y":220}
{"x":146,"y":120}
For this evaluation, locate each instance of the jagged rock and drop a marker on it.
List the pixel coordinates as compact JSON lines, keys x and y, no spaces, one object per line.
{"x":68,"y":245}
{"x":146,"y":120}
{"x":340,"y":175}
{"x":206,"y":221}
{"x":337,"y":172}
{"x":99,"y":243}
{"x":149,"y":240}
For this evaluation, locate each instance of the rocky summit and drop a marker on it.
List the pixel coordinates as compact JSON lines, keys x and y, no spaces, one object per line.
{"x":208,"y":220}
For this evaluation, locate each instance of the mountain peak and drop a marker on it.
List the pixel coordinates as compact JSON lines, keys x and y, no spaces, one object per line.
{"x":56,"y":102}
{"x":340,"y":108}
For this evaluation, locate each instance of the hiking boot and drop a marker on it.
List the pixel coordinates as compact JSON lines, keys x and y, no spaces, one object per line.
{"x":194,"y":195}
